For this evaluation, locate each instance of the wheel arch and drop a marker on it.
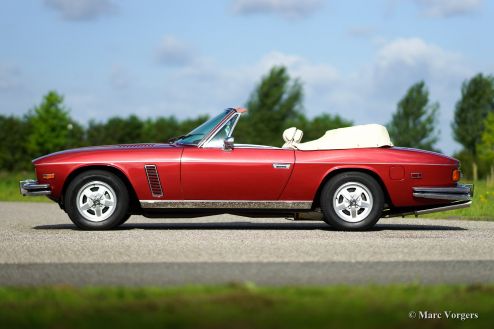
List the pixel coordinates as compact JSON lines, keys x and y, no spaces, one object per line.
{"x":332,"y":173}
{"x":134,"y":201}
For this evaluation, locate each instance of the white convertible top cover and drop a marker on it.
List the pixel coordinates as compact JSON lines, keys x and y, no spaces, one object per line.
{"x":363,"y":136}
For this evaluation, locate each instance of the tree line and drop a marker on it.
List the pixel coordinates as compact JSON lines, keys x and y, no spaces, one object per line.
{"x":275,"y":104}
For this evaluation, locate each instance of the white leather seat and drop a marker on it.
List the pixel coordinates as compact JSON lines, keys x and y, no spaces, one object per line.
{"x":292,"y":136}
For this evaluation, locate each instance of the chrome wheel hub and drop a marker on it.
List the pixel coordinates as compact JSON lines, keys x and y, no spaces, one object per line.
{"x":96,"y":201}
{"x":352,"y":202}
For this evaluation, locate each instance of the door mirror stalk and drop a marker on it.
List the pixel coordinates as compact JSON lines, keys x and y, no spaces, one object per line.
{"x":228,"y":143}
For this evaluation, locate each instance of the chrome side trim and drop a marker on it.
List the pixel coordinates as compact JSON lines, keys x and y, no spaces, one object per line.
{"x":462,"y":192}
{"x":459,"y":205}
{"x":31,"y":187}
{"x":255,"y":146}
{"x":250,"y":146}
{"x":226,"y":204}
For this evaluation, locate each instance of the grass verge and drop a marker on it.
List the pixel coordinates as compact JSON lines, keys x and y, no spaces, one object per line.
{"x":246,"y":306}
{"x":9,"y":187}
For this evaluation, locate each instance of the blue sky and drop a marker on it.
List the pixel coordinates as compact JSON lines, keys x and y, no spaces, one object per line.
{"x":184,"y":58}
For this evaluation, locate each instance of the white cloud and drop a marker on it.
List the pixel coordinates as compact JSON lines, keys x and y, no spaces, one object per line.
{"x":405,"y":59}
{"x":286,"y":8}
{"x":82,"y":10}
{"x":314,"y":76}
{"x":448,"y":8}
{"x":215,"y":86}
{"x":174,"y":52}
{"x":372,"y":92}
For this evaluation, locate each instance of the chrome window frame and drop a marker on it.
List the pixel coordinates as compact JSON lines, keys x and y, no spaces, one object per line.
{"x":225,"y":119}
{"x":204,"y":143}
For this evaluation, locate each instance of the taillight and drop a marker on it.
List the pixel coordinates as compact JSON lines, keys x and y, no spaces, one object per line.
{"x":456,"y":175}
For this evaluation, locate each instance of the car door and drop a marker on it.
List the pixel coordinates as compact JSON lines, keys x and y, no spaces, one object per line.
{"x":243,"y":173}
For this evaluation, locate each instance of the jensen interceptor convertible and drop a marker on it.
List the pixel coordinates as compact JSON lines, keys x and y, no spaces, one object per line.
{"x":350,"y":178}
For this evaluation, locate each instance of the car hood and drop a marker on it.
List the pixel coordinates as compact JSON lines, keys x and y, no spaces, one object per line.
{"x":103,"y":148}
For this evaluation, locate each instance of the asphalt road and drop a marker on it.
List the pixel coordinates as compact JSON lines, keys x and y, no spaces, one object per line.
{"x":39,"y":246}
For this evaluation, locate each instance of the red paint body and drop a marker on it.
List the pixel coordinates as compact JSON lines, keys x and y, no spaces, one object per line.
{"x":247,"y":173}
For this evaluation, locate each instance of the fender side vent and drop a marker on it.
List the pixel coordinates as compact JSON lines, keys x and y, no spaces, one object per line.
{"x":154,"y":181}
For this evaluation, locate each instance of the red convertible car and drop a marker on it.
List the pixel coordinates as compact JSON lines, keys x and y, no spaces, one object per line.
{"x":350,"y":176}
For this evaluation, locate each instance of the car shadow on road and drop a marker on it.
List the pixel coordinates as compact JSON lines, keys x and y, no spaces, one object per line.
{"x":256,"y":226}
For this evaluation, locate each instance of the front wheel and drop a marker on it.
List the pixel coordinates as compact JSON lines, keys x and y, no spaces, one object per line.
{"x":97,"y":200}
{"x":352,"y":201}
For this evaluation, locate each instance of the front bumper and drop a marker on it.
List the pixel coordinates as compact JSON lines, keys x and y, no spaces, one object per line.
{"x":462,"y":192}
{"x":31,"y":187}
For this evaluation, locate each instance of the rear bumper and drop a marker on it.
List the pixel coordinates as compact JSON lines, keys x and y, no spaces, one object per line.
{"x":462,"y":192}
{"x":31,"y":187}
{"x":453,"y":206}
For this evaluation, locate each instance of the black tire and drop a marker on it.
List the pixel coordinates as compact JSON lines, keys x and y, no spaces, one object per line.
{"x":105,"y":185}
{"x":364,"y":209}
{"x":125,"y":219}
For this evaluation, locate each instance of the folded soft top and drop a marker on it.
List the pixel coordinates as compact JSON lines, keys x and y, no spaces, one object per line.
{"x":362,"y":136}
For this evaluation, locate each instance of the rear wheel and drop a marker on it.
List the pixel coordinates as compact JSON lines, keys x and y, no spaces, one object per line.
{"x":125,"y":219}
{"x":97,"y":200}
{"x":352,"y":201}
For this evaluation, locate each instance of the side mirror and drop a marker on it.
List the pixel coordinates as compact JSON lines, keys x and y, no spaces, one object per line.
{"x":228,"y":143}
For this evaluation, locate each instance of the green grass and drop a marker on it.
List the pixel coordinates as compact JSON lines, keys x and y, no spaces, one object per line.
{"x":244,"y":306}
{"x":9,"y":187}
{"x":482,"y":206}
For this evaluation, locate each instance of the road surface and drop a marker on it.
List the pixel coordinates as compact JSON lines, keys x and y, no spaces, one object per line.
{"x":40,"y":246}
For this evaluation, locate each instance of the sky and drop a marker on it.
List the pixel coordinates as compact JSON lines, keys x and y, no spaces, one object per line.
{"x":185,"y":58}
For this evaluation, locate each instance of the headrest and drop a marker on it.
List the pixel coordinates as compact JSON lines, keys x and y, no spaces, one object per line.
{"x":293,"y":135}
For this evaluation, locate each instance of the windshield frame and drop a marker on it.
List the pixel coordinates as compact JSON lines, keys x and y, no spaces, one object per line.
{"x":228,"y":113}
{"x":235,"y":117}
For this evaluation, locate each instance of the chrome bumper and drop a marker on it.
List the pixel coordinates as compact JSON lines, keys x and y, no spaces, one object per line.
{"x":453,"y":206}
{"x":31,"y":187}
{"x":462,"y":192}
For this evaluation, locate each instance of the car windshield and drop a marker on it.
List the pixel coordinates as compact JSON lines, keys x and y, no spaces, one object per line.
{"x":225,"y":132}
{"x":196,"y":135}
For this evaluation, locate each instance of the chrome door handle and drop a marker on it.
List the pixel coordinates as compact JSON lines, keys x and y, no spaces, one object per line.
{"x":281,"y":165}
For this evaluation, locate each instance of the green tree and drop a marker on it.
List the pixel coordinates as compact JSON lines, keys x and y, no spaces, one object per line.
{"x":476,"y":102}
{"x":13,"y":139}
{"x":131,"y":129}
{"x":51,"y":128}
{"x":160,"y":129}
{"x":414,"y":122}
{"x":276,"y":100}
{"x":116,"y":131}
{"x":486,"y":146}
